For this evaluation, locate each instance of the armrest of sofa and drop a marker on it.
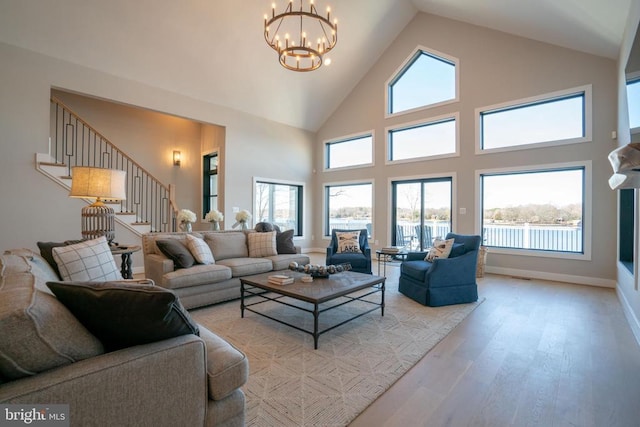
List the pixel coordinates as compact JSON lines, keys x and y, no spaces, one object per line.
{"x":453,"y":271}
{"x":156,"y":265}
{"x":162,"y":383}
{"x":227,"y":367}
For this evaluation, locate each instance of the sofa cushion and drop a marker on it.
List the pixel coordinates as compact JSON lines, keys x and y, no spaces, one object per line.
{"x":284,"y":243}
{"x":200,"y":250}
{"x":89,"y":260}
{"x":281,"y":262}
{"x":417,"y":270}
{"x":227,"y":367}
{"x":196,"y":275}
{"x":441,"y":249}
{"x":31,"y":262}
{"x":232,"y":244}
{"x":457,"y":249}
{"x":38,"y":332}
{"x":262,"y":244}
{"x":123,"y":315}
{"x":247,"y":266}
{"x":348,"y":241}
{"x":175,"y":250}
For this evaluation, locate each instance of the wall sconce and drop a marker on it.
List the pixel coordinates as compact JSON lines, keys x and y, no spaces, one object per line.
{"x":176,"y":158}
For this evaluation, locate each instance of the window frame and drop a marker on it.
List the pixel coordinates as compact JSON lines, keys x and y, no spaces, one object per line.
{"x":422,"y":123}
{"x":632,"y":78}
{"x":406,"y":64}
{"x":301,"y":197}
{"x":206,"y":189}
{"x":326,"y":235}
{"x":587,"y":206}
{"x":587,"y":116}
{"x":344,"y":139}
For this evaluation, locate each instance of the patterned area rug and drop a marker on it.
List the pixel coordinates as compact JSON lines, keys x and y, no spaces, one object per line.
{"x":291,"y":384}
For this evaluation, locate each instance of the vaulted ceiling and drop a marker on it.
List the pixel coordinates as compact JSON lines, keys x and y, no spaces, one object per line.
{"x":214,"y":50}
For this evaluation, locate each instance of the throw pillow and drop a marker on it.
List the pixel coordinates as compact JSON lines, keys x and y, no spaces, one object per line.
{"x":348,"y":242}
{"x":441,"y":249}
{"x":284,"y":243}
{"x":200,"y":250}
{"x":38,"y":332}
{"x":123,"y":315}
{"x":176,"y":251}
{"x":262,"y":244}
{"x":46,"y":252}
{"x":90,"y":260}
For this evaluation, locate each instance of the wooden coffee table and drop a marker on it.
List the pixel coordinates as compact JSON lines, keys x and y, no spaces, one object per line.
{"x":320,"y":291}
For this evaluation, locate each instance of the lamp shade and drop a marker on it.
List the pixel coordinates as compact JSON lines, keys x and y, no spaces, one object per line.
{"x":98,"y":183}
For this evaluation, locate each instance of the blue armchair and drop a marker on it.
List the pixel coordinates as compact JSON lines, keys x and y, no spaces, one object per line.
{"x":360,"y":262}
{"x":444,"y":281}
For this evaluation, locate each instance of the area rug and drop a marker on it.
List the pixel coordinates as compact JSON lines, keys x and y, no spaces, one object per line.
{"x":291,"y":384}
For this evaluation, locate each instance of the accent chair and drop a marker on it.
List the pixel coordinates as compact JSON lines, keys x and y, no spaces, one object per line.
{"x":443,"y":281}
{"x":360,"y":261}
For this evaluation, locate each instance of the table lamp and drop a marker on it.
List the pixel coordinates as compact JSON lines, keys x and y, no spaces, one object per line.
{"x":98,"y":219}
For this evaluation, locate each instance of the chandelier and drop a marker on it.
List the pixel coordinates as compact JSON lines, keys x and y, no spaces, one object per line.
{"x":301,"y":37}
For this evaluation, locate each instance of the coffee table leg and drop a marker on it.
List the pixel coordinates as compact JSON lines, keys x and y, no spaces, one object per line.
{"x":316,"y":315}
{"x":241,"y":299}
{"x":382,"y":302}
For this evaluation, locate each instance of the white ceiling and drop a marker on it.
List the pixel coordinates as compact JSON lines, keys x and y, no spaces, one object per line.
{"x":214,"y":50}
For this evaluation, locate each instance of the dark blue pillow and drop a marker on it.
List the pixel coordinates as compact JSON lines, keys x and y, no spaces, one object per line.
{"x":457,"y":250}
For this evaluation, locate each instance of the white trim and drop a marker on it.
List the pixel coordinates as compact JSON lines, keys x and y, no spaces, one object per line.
{"x":354,"y":136}
{"x":555,"y":277}
{"x":423,"y":123}
{"x":586,"y":220}
{"x":439,"y":175}
{"x":363,"y":181}
{"x":632,"y":319}
{"x":588,"y":120}
{"x":431,"y":52}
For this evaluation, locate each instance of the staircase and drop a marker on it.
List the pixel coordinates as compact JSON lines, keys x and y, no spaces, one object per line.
{"x":150,"y":205}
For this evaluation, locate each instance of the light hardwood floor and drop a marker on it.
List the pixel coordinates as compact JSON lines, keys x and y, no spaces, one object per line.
{"x":534,"y":353}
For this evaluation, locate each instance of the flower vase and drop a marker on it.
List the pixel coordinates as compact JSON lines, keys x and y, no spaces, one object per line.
{"x":243,"y":225}
{"x":215,"y":225}
{"x":186,"y":227}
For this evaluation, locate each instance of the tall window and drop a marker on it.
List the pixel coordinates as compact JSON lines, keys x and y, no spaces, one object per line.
{"x":427,"y":79}
{"x":557,"y":118}
{"x":422,"y":140}
{"x":421,"y":212}
{"x":210,"y":184}
{"x":633,"y":100}
{"x":541,"y":210}
{"x":355,"y":151}
{"x":280,"y":204}
{"x":349,"y":207}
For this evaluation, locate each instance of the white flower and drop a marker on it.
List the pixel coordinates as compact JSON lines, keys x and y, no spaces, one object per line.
{"x":214,"y":215}
{"x":243,"y":216}
{"x":185,"y":215}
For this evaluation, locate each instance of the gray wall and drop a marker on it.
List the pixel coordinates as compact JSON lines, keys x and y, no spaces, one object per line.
{"x":35,"y":209}
{"x":494,"y":68}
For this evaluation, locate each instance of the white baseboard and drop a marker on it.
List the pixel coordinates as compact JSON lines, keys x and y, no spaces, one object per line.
{"x":633,"y":320}
{"x":556,"y":277}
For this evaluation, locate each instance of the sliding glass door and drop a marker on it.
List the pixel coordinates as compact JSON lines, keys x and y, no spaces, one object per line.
{"x":421,"y":212}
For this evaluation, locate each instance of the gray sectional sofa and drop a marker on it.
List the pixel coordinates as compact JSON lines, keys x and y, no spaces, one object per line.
{"x":235,"y":253}
{"x":47,"y":356}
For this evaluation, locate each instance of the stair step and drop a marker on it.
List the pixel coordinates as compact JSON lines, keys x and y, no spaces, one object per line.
{"x":65,"y":177}
{"x":53,"y":164}
{"x":141,"y":223}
